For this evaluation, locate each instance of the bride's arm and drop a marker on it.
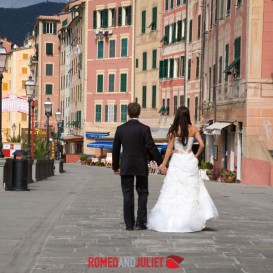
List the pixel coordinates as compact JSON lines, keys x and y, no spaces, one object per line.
{"x":168,"y":153}
{"x":200,"y":141}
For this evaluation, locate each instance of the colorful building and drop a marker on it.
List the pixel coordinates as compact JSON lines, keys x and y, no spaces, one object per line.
{"x":238,"y":90}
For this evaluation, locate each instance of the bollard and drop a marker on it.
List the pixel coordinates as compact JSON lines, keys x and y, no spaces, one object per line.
{"x":19,"y":175}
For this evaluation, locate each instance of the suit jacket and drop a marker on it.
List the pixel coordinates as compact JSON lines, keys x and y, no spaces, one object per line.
{"x":137,"y":142}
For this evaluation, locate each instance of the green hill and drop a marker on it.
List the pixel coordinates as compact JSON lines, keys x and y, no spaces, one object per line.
{"x":15,"y":24}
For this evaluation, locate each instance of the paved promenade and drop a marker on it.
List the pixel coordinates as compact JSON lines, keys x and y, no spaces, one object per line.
{"x":61,"y":221}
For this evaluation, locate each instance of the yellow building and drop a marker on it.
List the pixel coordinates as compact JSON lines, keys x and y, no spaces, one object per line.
{"x":14,"y":103}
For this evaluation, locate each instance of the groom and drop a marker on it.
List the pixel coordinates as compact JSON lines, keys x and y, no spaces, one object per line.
{"x":137,"y":143}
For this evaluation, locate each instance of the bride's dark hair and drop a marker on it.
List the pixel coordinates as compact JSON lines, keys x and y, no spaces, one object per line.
{"x":182,"y":120}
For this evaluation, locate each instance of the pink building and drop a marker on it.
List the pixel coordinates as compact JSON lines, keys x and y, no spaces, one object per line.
{"x":109,"y":64}
{"x":238,"y":91}
{"x":45,"y":67}
{"x":172,"y":64}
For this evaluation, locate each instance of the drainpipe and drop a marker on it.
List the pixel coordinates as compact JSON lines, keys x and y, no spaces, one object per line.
{"x":216,"y":61}
{"x":203,"y":46}
{"x":186,"y":49}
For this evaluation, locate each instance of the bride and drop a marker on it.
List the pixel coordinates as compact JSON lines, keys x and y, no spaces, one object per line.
{"x":184,"y":204}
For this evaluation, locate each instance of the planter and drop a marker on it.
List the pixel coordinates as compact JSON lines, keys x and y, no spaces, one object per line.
{"x":229,"y":179}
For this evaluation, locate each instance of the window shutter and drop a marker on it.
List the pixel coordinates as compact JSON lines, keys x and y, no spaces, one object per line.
{"x":94,"y":19}
{"x":165,"y":68}
{"x":190,"y":31}
{"x":44,"y":27}
{"x":174,"y":32}
{"x":99,"y":83}
{"x":154,"y":58}
{"x":189,"y":69}
{"x":144,"y":96}
{"x":54,"y":28}
{"x":167,"y":29}
{"x":100,"y":49}
{"x":154,"y":25}
{"x":120,"y":16}
{"x":123,"y":82}
{"x":171,"y":68}
{"x":179,"y":30}
{"x":143,"y":21}
{"x":124,"y":46}
{"x":98,"y":113}
{"x":161,"y":69}
{"x":115,"y":113}
{"x":106,"y":113}
{"x":129,"y":15}
{"x":154,"y":96}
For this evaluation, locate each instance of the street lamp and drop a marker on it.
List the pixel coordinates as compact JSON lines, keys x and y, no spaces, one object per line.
{"x":48,"y":112}
{"x":13,"y":127}
{"x":3,"y":59}
{"x":58,"y":116}
{"x":30,"y":88}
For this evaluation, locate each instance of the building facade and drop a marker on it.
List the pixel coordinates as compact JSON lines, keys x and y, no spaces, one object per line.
{"x":238,"y":88}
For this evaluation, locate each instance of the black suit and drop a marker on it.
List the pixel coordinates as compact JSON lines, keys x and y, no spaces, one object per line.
{"x":137,"y":143}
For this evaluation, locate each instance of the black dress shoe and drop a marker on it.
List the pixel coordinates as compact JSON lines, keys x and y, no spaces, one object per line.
{"x":129,"y":228}
{"x":141,"y":227}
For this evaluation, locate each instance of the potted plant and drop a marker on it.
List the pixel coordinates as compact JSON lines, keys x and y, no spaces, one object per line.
{"x":83,"y":159}
{"x":205,"y":170}
{"x":88,"y":161}
{"x":228,"y":176}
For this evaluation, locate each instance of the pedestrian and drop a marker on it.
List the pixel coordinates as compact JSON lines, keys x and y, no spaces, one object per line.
{"x":184,"y":205}
{"x":137,"y":145}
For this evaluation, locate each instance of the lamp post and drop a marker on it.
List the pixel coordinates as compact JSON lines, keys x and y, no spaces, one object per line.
{"x":3,"y":59}
{"x":13,"y":127}
{"x":30,"y":87}
{"x":58,"y":116}
{"x":48,"y":112}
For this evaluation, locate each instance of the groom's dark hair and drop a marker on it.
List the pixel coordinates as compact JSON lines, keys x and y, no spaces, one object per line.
{"x":134,"y":109}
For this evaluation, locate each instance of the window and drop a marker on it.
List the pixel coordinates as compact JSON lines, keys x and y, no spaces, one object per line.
{"x":166,"y":36}
{"x":23,"y":117}
{"x":5,"y":86}
{"x":144,"y":96}
{"x":222,"y":9}
{"x":104,"y":18}
{"x":154,"y":96}
{"x":124,"y":47}
{"x":123,"y":113}
{"x":143,"y":21}
{"x":189,"y":69}
{"x":48,"y":89}
{"x":100,"y":49}
{"x":24,"y":70}
{"x":98,"y":113}
{"x":49,"y":69}
{"x":199,"y":27}
{"x":112,"y":17}
{"x":171,"y":5}
{"x":178,"y":2}
{"x":190,"y":32}
{"x":173,"y":32}
{"x":94,"y":19}
{"x":237,"y":48}
{"x":197,"y":68}
{"x":136,"y":63}
{"x":49,"y":28}
{"x":125,"y":16}
{"x":188,"y":103}
{"x":25,"y":56}
{"x":49,"y":49}
{"x":154,"y":58}
{"x":111,"y":83}
{"x":110,"y":113}
{"x":163,"y":69}
{"x":99,"y":83}
{"x":123,"y":82}
{"x":239,"y":3}
{"x":144,"y":61}
{"x":154,"y":22}
{"x":112,"y":49}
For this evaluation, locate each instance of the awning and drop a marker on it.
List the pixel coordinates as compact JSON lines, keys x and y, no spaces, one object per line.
{"x":96,"y":134}
{"x":100,"y":144}
{"x":229,"y":67}
{"x":216,"y":127}
{"x":162,"y":147}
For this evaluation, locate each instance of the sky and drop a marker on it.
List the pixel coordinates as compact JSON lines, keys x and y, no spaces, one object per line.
{"x":24,"y":3}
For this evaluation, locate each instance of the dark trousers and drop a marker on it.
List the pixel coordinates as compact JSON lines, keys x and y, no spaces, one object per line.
{"x":127,"y":185}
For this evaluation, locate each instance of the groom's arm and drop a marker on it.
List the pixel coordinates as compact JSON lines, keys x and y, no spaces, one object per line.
{"x":152,"y":148}
{"x":116,"y":152}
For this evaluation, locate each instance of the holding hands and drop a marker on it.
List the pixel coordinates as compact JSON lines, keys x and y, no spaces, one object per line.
{"x":162,"y":169}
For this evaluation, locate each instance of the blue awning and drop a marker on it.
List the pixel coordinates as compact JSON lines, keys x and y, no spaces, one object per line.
{"x":100,"y":144}
{"x":96,"y":134}
{"x":162,"y":147}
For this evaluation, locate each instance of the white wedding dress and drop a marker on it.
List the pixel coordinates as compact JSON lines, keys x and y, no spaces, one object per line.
{"x":184,"y":204}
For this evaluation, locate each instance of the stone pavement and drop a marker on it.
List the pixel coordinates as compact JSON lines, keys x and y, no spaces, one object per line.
{"x":61,"y":221}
